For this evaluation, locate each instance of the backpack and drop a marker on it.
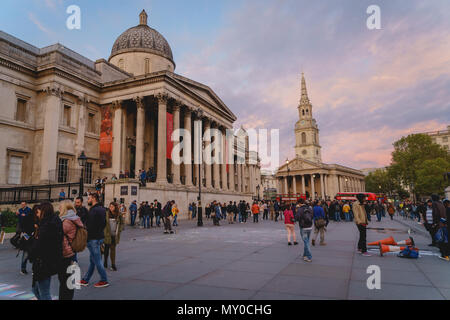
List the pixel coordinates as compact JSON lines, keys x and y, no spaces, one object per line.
{"x":408,"y":253}
{"x":79,"y":242}
{"x":304,"y":216}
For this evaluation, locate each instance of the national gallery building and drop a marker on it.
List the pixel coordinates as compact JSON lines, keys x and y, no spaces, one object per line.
{"x":120,"y":112}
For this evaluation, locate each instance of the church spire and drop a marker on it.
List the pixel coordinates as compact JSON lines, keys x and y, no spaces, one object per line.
{"x":304,"y":100}
{"x":143,"y":18}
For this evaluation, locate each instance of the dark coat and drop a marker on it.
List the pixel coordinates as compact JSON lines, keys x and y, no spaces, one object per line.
{"x":83,"y":214}
{"x":46,"y":252}
{"x":96,"y":222}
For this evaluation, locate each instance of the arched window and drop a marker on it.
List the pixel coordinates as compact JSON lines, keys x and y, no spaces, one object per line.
{"x":304,"y":138}
{"x":307,"y":111}
{"x":303,"y":111}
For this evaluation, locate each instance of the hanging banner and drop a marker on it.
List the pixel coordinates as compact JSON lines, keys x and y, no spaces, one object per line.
{"x":169,"y":135}
{"x":226,"y":155}
{"x":106,"y":139}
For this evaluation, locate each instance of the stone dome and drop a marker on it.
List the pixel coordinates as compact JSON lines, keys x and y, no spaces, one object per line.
{"x":142,"y":38}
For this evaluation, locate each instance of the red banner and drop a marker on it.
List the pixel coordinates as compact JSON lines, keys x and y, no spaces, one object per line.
{"x":106,"y":139}
{"x":169,"y":135}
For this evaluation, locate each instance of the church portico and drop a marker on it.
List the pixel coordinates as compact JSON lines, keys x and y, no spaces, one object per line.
{"x":306,"y":174}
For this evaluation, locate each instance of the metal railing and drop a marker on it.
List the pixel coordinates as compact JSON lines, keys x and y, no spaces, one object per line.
{"x":74,"y":175}
{"x":38,"y":193}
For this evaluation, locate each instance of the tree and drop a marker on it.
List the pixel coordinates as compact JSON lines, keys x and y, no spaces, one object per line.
{"x":409,"y":156}
{"x":431,"y":176}
{"x":384,"y":181}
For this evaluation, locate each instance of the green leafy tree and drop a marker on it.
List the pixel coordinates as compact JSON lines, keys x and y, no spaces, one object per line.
{"x":409,"y":156}
{"x":431,"y":176}
{"x":384,"y":181}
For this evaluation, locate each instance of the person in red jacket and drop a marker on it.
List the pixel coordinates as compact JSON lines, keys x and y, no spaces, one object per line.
{"x":289,"y":222}
{"x":255,"y":211}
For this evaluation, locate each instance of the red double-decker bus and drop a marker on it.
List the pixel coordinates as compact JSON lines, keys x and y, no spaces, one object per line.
{"x":351,"y":196}
{"x":290,"y":198}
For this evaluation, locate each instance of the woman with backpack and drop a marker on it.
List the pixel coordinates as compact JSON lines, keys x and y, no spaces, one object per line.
{"x":114,"y":226}
{"x":46,"y":252}
{"x":70,"y":223}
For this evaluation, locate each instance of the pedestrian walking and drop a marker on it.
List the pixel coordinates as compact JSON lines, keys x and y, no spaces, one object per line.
{"x":361,"y":222}
{"x":175,"y":212}
{"x":255,"y":212}
{"x":166,"y":215}
{"x":47,"y":250}
{"x":133,"y":212}
{"x":319,"y":224}
{"x":70,"y":224}
{"x":96,"y":223}
{"x":113,"y":229}
{"x":289,"y":223}
{"x":304,"y":216}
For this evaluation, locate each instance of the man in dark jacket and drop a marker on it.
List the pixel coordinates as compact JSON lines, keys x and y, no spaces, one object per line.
{"x":304,"y":216}
{"x":167,"y":213}
{"x":158,"y":212}
{"x":82,"y":212}
{"x":440,"y":221}
{"x":95,"y":224}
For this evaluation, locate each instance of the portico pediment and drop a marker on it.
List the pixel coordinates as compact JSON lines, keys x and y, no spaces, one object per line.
{"x":205,"y":93}
{"x":298,"y":165}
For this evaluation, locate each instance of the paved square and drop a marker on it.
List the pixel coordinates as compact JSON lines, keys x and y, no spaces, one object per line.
{"x":250,"y":262}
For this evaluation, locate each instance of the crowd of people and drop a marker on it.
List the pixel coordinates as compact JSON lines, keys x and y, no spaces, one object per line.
{"x":49,"y":239}
{"x":49,"y":235}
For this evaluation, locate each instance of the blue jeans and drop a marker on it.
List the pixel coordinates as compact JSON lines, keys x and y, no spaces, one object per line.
{"x":95,"y":260}
{"x":194,"y":214}
{"x":146,"y":221}
{"x":240,"y":217}
{"x":347,"y":216}
{"x":368,"y":217}
{"x":305,"y":234}
{"x":158,"y":220}
{"x":41,"y":289}
{"x":23,"y":263}
{"x":379,"y":216}
{"x":133,"y":218}
{"x":175,"y":223}
{"x":337,"y":216}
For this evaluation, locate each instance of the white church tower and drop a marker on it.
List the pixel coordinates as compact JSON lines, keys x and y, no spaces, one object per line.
{"x":306,"y":130}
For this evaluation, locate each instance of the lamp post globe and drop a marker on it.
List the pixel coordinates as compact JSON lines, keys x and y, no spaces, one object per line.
{"x":82,"y":159}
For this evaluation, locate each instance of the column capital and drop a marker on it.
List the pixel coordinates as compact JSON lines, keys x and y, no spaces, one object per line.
{"x":162,"y":97}
{"x":177,"y":105}
{"x":139,"y":102}
{"x":83,"y":100}
{"x":54,"y":91}
{"x":116,"y":105}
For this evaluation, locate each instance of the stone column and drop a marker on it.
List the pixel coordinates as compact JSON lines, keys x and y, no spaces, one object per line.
{"x":117,"y":137}
{"x":294,"y":182}
{"x":216,"y":165}
{"x":313,"y":190}
{"x":188,"y":148}
{"x":224,"y":162}
{"x":176,"y":127}
{"x":286,"y":186}
{"x":140,"y":130}
{"x":52,"y":109}
{"x":231,"y":176}
{"x":207,"y":155}
{"x":81,"y":130}
{"x":241,"y":177}
{"x":322,"y":186}
{"x":162,"y":138}
{"x":303,"y":185}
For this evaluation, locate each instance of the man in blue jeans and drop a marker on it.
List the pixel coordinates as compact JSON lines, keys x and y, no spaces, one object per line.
{"x":133,"y":212}
{"x":95,"y":224}
{"x":304,"y":216}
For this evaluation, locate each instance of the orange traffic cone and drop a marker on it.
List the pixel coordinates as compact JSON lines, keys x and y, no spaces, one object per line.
{"x":388,"y":241}
{"x":409,"y":242}
{"x":386,"y":248}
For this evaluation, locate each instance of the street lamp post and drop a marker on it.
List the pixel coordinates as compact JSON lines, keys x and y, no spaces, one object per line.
{"x":257,"y":190}
{"x":82,"y":159}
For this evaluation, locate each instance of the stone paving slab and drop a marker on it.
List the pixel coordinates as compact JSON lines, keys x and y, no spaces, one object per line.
{"x":251,"y":261}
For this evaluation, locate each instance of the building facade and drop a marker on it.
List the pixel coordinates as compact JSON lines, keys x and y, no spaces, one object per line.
{"x":120,"y":112}
{"x":306,"y":174}
{"x":441,"y":138}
